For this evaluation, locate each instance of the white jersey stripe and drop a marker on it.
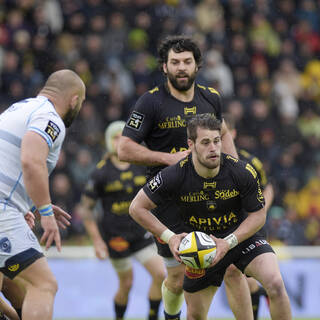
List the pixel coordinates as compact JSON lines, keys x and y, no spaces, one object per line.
{"x":35,"y":114}
{"x":13,"y":184}
{"x":11,"y":138}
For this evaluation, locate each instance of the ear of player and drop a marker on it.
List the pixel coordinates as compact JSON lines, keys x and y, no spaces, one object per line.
{"x":197,"y":250}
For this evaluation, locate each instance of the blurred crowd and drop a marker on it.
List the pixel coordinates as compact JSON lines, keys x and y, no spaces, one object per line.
{"x":263,"y":56}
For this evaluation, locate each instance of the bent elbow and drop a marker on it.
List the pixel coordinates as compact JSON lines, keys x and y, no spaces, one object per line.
{"x":132,"y":210}
{"x":122,"y":154}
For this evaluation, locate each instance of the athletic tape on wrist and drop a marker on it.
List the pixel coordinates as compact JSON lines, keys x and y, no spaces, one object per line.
{"x":166,"y":235}
{"x":46,"y":210}
{"x":232,"y":240}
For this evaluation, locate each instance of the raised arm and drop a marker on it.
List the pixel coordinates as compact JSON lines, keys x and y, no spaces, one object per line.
{"x":227,"y":141}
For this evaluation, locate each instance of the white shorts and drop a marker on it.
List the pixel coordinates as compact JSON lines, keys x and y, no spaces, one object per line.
{"x":143,"y":255}
{"x":15,"y":235}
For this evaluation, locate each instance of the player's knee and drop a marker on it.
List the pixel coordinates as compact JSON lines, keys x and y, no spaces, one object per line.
{"x":159,"y":275}
{"x":50,"y":286}
{"x":275,"y":287}
{"x":126,"y":284}
{"x":194,"y":313}
{"x":174,"y":281}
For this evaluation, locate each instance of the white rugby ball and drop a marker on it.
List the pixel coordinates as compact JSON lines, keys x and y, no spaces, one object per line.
{"x":197,"y":250}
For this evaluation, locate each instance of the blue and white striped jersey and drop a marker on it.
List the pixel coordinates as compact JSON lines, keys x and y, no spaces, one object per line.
{"x":34,"y":114}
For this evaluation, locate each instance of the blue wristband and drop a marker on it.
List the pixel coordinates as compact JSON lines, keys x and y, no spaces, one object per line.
{"x":46,"y":210}
{"x":33,"y":209}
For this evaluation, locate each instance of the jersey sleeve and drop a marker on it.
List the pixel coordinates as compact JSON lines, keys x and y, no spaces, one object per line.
{"x":141,"y":118}
{"x":217,"y":103}
{"x":49,"y":126}
{"x":214,"y":98}
{"x":257,"y":165}
{"x":250,"y":189}
{"x":162,"y":186}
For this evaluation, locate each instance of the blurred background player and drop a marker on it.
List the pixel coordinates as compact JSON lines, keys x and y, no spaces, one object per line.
{"x":116,"y":234}
{"x":268,"y":193}
{"x":159,"y":118}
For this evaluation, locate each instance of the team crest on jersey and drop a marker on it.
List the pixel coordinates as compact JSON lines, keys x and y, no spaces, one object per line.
{"x":190,"y":110}
{"x":155,"y":183}
{"x":52,"y":130}
{"x":210,"y":185}
{"x":5,"y":245}
{"x":135,"y":120}
{"x":211,"y":205}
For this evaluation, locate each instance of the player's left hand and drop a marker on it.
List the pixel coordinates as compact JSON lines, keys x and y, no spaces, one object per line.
{"x":30,"y":218}
{"x":62,"y":217}
{"x":174,"y":244}
{"x":51,"y":232}
{"x":222,"y":249}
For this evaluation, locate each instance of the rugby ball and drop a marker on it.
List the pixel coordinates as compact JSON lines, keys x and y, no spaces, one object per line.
{"x":197,"y":250}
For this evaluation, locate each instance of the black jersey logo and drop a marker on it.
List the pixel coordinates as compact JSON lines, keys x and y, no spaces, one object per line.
{"x":190,"y":110}
{"x":52,"y":130}
{"x":135,"y":120}
{"x":210,"y":185}
{"x":211,"y":205}
{"x":155,"y":183}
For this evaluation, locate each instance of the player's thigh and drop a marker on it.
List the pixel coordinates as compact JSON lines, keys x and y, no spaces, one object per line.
{"x":153,"y":263}
{"x":253,"y":284}
{"x":38,"y":274}
{"x":198,"y":303}
{"x":14,"y":293}
{"x":264,"y":268}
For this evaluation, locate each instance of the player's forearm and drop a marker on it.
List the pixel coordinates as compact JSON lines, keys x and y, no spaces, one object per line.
{"x":228,"y":144}
{"x":35,"y":176}
{"x":227,"y":141}
{"x":147,"y":220}
{"x":133,"y":152}
{"x":268,"y":194}
{"x":252,"y":224}
{"x":92,"y":230}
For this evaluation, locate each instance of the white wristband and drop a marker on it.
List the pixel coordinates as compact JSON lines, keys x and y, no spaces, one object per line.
{"x":166,"y":235}
{"x":232,"y":240}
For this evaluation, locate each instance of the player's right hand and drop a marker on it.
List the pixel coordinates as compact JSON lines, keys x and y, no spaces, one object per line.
{"x":175,"y":157}
{"x":221,"y":251}
{"x":51,"y":232}
{"x":174,"y":244}
{"x":101,"y":249}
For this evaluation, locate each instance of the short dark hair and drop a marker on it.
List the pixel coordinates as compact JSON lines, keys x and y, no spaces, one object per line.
{"x":204,"y":121}
{"x":178,"y":43}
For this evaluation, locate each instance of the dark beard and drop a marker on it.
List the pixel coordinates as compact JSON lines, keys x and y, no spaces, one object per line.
{"x":69,"y":117}
{"x":207,"y":165}
{"x":184,"y":86}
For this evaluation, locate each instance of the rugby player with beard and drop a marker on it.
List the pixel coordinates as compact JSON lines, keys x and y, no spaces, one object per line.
{"x":159,"y":119}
